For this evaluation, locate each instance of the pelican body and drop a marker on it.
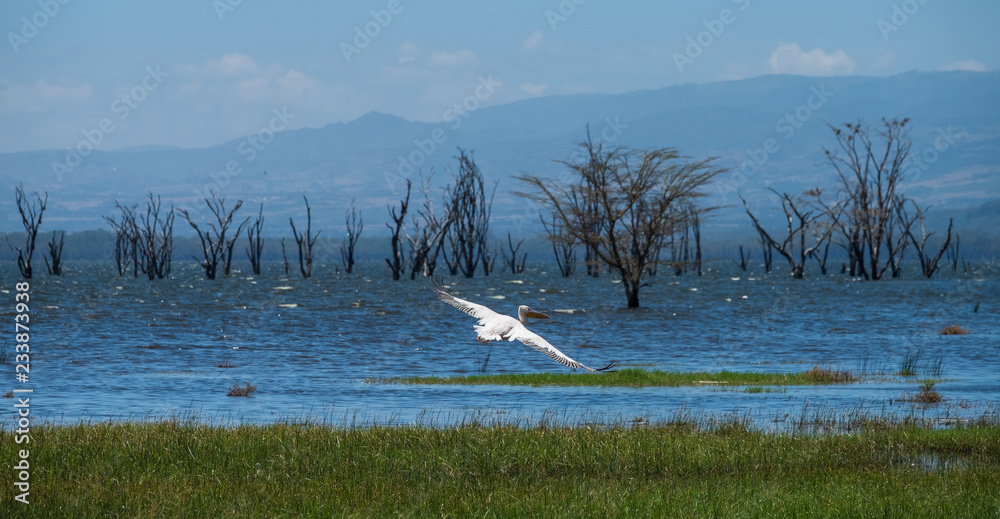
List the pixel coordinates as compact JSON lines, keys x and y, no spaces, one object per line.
{"x":498,"y":327}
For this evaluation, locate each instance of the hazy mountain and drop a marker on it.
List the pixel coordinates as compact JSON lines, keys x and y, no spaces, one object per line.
{"x":955,"y":130}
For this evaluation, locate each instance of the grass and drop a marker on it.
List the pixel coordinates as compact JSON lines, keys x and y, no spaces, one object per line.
{"x":244,"y":390}
{"x":637,"y":378}
{"x":181,"y":469}
{"x":926,"y":395}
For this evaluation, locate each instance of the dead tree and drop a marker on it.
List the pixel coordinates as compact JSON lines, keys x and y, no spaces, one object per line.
{"x":284,"y":256}
{"x":563,"y":246}
{"x":256,"y":246}
{"x":870,"y":173}
{"x":214,"y":242}
{"x":355,"y":224}
{"x":55,"y":252}
{"x":397,"y":261}
{"x":428,"y":235}
{"x":798,"y":221}
{"x":928,"y":264}
{"x":516,"y":267}
{"x":156,"y":237}
{"x":744,"y":259}
{"x":305,"y":242}
{"x":471,"y":208}
{"x":31,"y":218}
{"x":127,"y":239}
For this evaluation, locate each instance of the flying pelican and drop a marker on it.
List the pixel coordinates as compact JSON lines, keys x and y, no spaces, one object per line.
{"x":496,"y":327}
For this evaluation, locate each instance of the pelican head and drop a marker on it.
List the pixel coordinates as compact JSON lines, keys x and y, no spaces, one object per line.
{"x":523,"y":313}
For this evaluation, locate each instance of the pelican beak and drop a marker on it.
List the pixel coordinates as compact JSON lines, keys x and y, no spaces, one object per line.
{"x":535,"y":315}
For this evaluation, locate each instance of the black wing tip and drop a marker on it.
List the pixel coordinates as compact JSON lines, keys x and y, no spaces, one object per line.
{"x":607,"y":369}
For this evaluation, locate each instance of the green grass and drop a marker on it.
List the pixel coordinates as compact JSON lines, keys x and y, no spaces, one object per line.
{"x":180,"y":469}
{"x":637,"y":378}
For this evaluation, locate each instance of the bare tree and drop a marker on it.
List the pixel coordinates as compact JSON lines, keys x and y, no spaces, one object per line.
{"x":156,"y":236}
{"x":31,"y":218}
{"x":397,"y":261}
{"x":470,"y":207}
{"x":516,"y":267}
{"x":563,"y":246}
{"x":284,"y":256}
{"x":55,"y":252}
{"x":355,"y":224}
{"x":305,"y":242}
{"x":215,"y":245}
{"x":256,"y":245}
{"x":744,"y":259}
{"x":429,"y":231}
{"x":637,"y":195}
{"x":799,"y":220}
{"x":928,"y":264}
{"x":127,"y":239}
{"x":870,"y":166}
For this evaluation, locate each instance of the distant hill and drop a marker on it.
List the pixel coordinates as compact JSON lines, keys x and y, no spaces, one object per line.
{"x":956,"y":140}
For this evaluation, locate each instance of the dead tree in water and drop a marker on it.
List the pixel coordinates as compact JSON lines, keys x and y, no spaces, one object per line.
{"x":156,"y":237}
{"x":563,"y":246}
{"x":397,"y":261}
{"x":798,"y":220}
{"x":305,"y":242}
{"x":31,"y":218}
{"x":355,"y":225}
{"x":214,"y":243}
{"x":744,"y":259}
{"x":471,"y":208}
{"x":126,"y":240}
{"x":256,"y":242}
{"x":428,"y":236}
{"x":55,"y":252}
{"x":928,"y":264}
{"x":511,"y":262}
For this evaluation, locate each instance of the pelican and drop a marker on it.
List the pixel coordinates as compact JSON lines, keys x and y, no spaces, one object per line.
{"x":497,"y":327}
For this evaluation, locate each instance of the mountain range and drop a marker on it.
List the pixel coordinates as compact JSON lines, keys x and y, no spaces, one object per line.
{"x":770,"y":130}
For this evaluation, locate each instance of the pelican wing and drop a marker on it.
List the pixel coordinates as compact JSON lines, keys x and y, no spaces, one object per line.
{"x":478,"y":311}
{"x":537,"y":342}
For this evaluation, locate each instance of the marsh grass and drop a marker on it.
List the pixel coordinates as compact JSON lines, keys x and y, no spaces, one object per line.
{"x":926,"y":395}
{"x":722,"y":469}
{"x":914,"y":364}
{"x":635,"y":378}
{"x":955,"y":330}
{"x":245,"y":390}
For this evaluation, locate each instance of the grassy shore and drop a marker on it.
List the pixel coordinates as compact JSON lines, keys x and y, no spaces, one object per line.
{"x":639,"y":378}
{"x":181,"y":469}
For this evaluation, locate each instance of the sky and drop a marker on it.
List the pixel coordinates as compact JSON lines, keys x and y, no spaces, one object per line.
{"x":198,"y":73}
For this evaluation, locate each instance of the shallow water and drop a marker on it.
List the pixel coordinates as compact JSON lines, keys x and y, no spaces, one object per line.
{"x":109,"y":348}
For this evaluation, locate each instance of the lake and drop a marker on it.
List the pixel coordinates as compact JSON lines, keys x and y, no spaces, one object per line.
{"x":109,"y":348}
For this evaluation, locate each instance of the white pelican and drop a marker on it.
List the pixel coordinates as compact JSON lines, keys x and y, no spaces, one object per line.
{"x":496,"y":327}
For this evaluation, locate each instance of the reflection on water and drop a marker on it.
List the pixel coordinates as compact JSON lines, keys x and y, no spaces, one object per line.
{"x":115,"y":348}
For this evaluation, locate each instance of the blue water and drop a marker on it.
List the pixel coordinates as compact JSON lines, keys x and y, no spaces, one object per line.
{"x":109,"y":348}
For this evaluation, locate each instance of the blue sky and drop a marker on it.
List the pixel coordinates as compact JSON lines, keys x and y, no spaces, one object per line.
{"x":196,"y":73}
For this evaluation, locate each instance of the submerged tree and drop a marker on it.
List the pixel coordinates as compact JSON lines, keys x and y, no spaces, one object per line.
{"x":928,"y":264}
{"x":515,"y":266}
{"x":470,"y":209}
{"x":127,"y":239}
{"x":800,"y":219}
{"x":305,"y":242}
{"x":624,"y":204}
{"x":256,"y":245}
{"x":31,"y":218}
{"x":563,"y":246}
{"x":55,"y":252}
{"x":355,"y":225}
{"x":156,"y":237}
{"x":397,"y":261}
{"x":428,"y":236}
{"x":215,"y":245}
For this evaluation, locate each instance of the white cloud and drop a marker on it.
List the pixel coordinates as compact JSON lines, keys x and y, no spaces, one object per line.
{"x":534,"y":40}
{"x":408,"y":52}
{"x":40,"y":95}
{"x":789,"y":58}
{"x":451,"y":59}
{"x":533,"y":89}
{"x":969,"y":65}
